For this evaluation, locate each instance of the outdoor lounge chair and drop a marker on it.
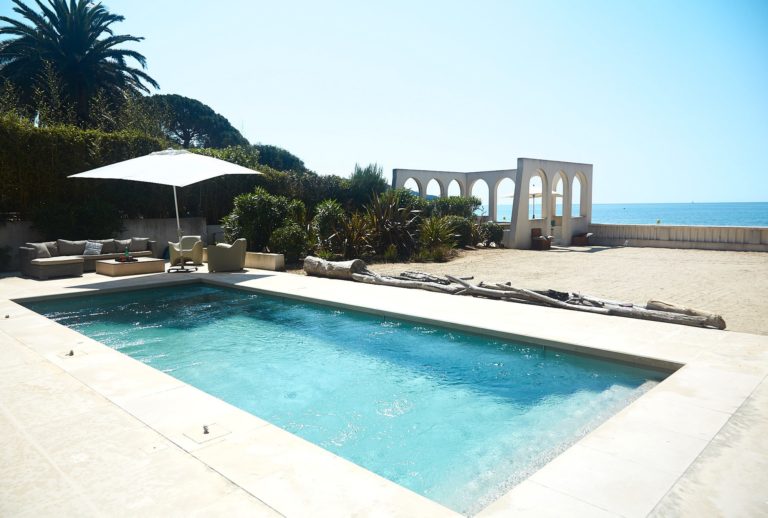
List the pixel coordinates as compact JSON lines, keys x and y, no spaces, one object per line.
{"x":188,"y":249}
{"x":227,"y":258}
{"x":539,"y":241}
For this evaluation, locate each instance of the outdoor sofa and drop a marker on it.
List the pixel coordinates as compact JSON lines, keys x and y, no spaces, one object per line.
{"x":63,"y":258}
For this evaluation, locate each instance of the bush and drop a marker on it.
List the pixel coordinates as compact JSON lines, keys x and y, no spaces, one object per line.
{"x":95,"y":219}
{"x":329,"y":215}
{"x":256,"y":215}
{"x":455,"y":206}
{"x":289,"y":240}
{"x":393,"y":221}
{"x":461,"y":229}
{"x":356,"y":236}
{"x":366,"y":183}
{"x":35,"y":163}
{"x":491,"y":232}
{"x":435,"y":232}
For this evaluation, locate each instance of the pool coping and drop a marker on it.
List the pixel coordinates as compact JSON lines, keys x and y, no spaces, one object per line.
{"x":626,"y":467}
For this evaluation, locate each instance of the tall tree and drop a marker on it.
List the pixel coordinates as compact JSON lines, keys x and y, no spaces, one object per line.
{"x":194,"y":124}
{"x":76,"y":39}
{"x":279,"y":158}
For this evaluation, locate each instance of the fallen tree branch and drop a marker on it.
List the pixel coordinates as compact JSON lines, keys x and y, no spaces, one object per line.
{"x":357,"y":270}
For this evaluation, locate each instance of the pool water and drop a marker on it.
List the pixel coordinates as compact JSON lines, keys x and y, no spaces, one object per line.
{"x":456,"y":417}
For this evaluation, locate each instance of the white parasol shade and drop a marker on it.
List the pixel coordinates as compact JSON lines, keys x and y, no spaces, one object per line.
{"x":177,"y":168}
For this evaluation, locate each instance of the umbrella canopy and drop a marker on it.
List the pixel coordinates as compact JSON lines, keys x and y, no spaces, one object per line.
{"x":177,"y":168}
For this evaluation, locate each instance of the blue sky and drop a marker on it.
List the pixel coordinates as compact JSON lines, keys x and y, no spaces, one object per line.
{"x":668,"y":100}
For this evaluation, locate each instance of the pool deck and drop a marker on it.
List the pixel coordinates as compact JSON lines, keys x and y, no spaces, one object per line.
{"x":97,"y":433}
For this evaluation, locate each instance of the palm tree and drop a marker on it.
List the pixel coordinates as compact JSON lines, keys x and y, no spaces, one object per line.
{"x":76,"y":40}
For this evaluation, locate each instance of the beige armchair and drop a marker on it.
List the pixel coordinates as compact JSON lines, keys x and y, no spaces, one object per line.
{"x":188,"y":249}
{"x":227,"y":258}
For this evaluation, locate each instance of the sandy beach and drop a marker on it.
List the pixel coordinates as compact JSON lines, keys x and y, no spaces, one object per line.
{"x":732,"y":284}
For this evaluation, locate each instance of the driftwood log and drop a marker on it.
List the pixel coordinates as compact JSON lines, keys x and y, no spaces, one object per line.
{"x":659,"y":311}
{"x":334,"y":269}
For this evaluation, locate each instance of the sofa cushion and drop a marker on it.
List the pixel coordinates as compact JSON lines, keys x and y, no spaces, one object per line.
{"x":92,"y":248}
{"x":121,"y":245}
{"x":62,"y":259}
{"x":108,"y":245}
{"x":139,"y":244}
{"x":41,"y":250}
{"x":70,"y":247}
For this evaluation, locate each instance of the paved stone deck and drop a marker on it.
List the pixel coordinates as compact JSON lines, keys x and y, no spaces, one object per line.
{"x":100,"y":434}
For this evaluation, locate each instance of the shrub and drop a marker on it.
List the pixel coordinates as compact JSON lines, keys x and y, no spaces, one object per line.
{"x":455,"y":206}
{"x":35,"y":163}
{"x":491,"y":232}
{"x":257,"y":214}
{"x":329,"y":215}
{"x":95,"y":219}
{"x":393,"y":222}
{"x":365,"y":183}
{"x":356,"y":235}
{"x":462,"y":230}
{"x":435,"y":232}
{"x":289,"y":240}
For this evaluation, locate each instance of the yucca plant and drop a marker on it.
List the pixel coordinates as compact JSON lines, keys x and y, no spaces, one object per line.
{"x":434,"y":232}
{"x":355,"y":237}
{"x":393,"y":223}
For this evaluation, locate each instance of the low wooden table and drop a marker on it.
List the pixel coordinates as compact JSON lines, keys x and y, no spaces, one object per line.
{"x":141,"y":265}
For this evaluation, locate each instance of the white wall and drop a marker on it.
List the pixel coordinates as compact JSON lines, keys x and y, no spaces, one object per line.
{"x":682,"y":236}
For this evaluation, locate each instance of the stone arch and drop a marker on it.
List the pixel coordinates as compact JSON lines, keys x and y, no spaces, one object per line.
{"x":537,"y":205}
{"x":578,"y":195}
{"x":435,"y":185}
{"x":458,"y":187}
{"x":483,"y":193}
{"x":414,"y":183}
{"x":559,"y":187}
{"x":505,"y":198}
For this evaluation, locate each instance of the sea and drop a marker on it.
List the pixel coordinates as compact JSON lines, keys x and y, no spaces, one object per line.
{"x":745,"y":214}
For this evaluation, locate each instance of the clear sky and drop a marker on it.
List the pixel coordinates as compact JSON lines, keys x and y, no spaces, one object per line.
{"x":668,"y":99}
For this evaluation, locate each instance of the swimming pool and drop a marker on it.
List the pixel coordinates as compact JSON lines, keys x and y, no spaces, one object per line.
{"x":457,"y":417}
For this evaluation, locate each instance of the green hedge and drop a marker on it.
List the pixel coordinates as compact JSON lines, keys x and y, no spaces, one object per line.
{"x":35,"y":163}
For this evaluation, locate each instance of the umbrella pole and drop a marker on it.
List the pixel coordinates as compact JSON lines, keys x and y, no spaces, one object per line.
{"x":176,"y":204}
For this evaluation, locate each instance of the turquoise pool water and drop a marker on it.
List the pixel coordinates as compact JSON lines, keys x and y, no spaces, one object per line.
{"x":459,"y":418}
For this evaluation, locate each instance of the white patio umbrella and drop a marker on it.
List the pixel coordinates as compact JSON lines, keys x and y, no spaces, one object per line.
{"x":177,"y":168}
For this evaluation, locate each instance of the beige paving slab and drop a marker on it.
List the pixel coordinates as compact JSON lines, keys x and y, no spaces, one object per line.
{"x":30,"y":480}
{"x":728,"y":478}
{"x":300,"y":479}
{"x":601,"y":479}
{"x":529,"y":499}
{"x":182,"y":412}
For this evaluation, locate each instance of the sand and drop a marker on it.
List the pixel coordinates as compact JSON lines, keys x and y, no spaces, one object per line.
{"x":732,"y":284}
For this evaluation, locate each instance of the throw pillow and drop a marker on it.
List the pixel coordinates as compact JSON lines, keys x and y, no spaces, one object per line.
{"x":40,"y":250}
{"x":107,"y":245}
{"x":92,"y":248}
{"x":139,"y":244}
{"x":70,"y":247}
{"x":121,"y":245}
{"x":52,"y":247}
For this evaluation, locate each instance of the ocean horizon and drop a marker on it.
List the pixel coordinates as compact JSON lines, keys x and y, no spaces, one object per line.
{"x":725,"y":214}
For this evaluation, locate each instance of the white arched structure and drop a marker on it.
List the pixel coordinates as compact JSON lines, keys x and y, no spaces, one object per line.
{"x":518,"y":235}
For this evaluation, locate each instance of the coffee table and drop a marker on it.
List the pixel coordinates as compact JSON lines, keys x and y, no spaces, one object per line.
{"x":142,"y":265}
